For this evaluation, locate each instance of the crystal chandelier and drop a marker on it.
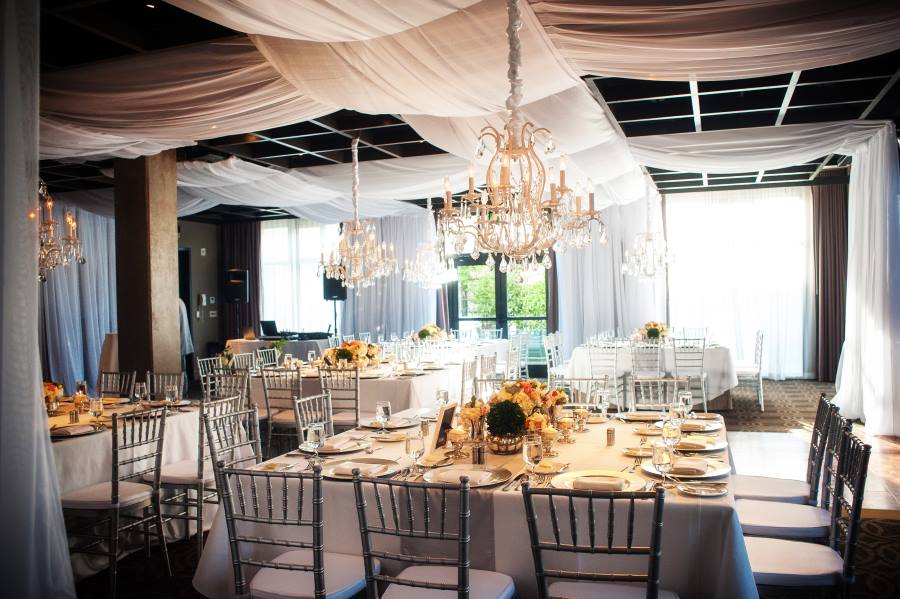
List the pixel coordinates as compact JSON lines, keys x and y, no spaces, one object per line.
{"x":57,"y":247}
{"x":431,"y":268}
{"x":510,"y":217}
{"x":358,"y":260}
{"x":649,"y":256}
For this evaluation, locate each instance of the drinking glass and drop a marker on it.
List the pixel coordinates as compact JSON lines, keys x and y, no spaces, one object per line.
{"x":604,"y":402}
{"x":96,"y":410}
{"x":288,"y":360}
{"x":533,"y":451}
{"x":671,"y":432}
{"x":140,"y":393}
{"x":442,"y":397}
{"x":662,"y":459}
{"x":415,"y":447}
{"x":383,"y":414}
{"x":315,"y":438}
{"x":685,"y":403}
{"x":171,"y":392}
{"x":81,"y":387}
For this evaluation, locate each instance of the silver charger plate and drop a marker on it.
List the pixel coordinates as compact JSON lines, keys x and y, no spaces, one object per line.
{"x":709,"y":426}
{"x":389,"y":467}
{"x":716,"y":444}
{"x":498,"y":475}
{"x":714,"y":469}
{"x":641,"y":416}
{"x":349,"y":448}
{"x":393,"y":424}
{"x":702,"y":490}
{"x":566,"y":480}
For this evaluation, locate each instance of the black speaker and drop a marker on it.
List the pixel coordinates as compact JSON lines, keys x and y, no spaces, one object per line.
{"x":236,"y":288}
{"x":333,"y":290}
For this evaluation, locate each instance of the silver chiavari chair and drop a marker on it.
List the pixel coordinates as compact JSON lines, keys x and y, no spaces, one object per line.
{"x":224,"y":382}
{"x":484,"y":388}
{"x":524,"y":342}
{"x":750,"y":375}
{"x":267,"y":357}
{"x":243,"y":361}
{"x":584,"y":392}
{"x":583,"y":522}
{"x":207,"y":365}
{"x":421,"y":511}
{"x":689,"y":372}
{"x":158,"y":381}
{"x":342,"y":384}
{"x":766,"y":488}
{"x":604,"y":361}
{"x":513,"y":362}
{"x":130,"y":501}
{"x":794,"y":563}
{"x":313,"y":409}
{"x":333,"y":341}
{"x":467,"y":380}
{"x":116,"y":384}
{"x":650,"y":388}
{"x":194,"y":475}
{"x":233,"y":438}
{"x":487,"y":367}
{"x":367,"y":337}
{"x":280,"y":388}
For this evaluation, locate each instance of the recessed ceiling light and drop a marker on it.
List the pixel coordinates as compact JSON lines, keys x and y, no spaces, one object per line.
{"x":151,"y":5}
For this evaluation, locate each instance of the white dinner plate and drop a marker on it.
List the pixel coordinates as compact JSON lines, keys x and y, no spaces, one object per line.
{"x":642,"y":416}
{"x":393,"y":424}
{"x":597,"y":419}
{"x":702,"y":490}
{"x":433,"y":367}
{"x":648,"y":431}
{"x":641,"y":451}
{"x":706,"y":426}
{"x":388,"y":467}
{"x":447,"y":475}
{"x":714,"y":469}
{"x":56,"y":432}
{"x":712,"y":443}
{"x":277,"y":466}
{"x":389,"y":437}
{"x":705,"y":416}
{"x":566,"y":480}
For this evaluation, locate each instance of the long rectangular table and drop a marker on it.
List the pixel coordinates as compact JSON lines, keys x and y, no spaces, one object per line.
{"x":703,"y":552}
{"x":298,"y":349}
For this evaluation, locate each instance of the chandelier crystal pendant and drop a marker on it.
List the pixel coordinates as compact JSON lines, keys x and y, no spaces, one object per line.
{"x":430,"y":269}
{"x":511,"y":218}
{"x":58,"y":247}
{"x":358,"y":260}
{"x":649,"y":256}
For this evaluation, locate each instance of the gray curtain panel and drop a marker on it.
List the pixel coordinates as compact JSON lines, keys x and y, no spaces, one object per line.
{"x":830,"y":251}
{"x":240,"y":249}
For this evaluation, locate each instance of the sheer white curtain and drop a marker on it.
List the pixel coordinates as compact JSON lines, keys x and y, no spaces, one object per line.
{"x":78,"y":302}
{"x":392,"y":305}
{"x":36,"y":555}
{"x":742,"y":262}
{"x":291,"y":288}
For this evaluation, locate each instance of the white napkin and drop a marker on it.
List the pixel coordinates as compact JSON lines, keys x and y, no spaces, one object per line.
{"x":476,"y":477}
{"x":67,"y":431}
{"x":335,"y":444}
{"x":694,"y":443}
{"x":365,"y":469}
{"x":689,"y":466}
{"x":598,"y":483}
{"x":693,"y":426}
{"x":433,"y":458}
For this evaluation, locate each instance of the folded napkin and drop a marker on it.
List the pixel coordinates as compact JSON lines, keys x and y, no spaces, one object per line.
{"x":692,"y":427}
{"x":433,"y":458}
{"x":598,"y":483}
{"x":476,"y":477}
{"x":335,"y":444}
{"x":546,"y":468}
{"x":392,"y":436}
{"x":689,"y":466}
{"x":365,"y":469}
{"x":68,"y":431}
{"x":689,"y":443}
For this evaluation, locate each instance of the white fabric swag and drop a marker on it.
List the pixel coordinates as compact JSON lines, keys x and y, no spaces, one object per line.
{"x":869,"y":376}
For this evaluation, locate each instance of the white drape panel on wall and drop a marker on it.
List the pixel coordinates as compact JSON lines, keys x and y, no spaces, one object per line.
{"x":36,"y":556}
{"x":743,"y":262}
{"x":392,"y":305}
{"x":716,"y":39}
{"x":870,"y":367}
{"x":291,"y":288}
{"x":78,"y":303}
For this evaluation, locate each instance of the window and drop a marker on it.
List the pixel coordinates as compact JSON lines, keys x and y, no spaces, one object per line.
{"x":290,"y":251}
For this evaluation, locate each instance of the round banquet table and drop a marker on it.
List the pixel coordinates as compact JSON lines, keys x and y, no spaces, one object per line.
{"x":703,"y":551}
{"x":717,"y":362}
{"x":298,"y":349}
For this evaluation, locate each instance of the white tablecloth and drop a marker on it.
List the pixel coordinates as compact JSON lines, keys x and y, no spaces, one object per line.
{"x":298,"y":349}
{"x":717,"y":362}
{"x":703,"y":551}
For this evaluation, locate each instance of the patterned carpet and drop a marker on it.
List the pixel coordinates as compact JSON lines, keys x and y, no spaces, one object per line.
{"x":789,"y":404}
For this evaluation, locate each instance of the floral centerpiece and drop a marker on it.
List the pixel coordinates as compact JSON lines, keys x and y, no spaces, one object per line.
{"x":53,"y":392}
{"x":518,"y":406}
{"x":358,"y":353}
{"x":652,"y":330}
{"x":430,"y":332}
{"x":472,"y":415}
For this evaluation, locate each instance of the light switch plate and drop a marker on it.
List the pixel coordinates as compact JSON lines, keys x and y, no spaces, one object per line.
{"x":212,"y":300}
{"x":202,"y":251}
{"x":213,"y":313}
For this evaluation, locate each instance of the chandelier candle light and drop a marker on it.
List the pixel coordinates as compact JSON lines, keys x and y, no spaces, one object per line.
{"x":56,"y":249}
{"x":358,"y":259}
{"x":512,"y":217}
{"x":649,"y":256}
{"x":430,"y":269}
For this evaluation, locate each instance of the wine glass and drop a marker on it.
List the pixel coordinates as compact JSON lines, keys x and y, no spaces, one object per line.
{"x":311,"y":356}
{"x":96,"y":410}
{"x":671,"y":431}
{"x":383,"y":414}
{"x":415,"y":447}
{"x":171,"y":394}
{"x":315,"y":438}
{"x":139,"y":394}
{"x":81,"y":387}
{"x":685,"y":403}
{"x":662,"y":459}
{"x":604,"y":402}
{"x":533,"y":451}
{"x":288,"y":361}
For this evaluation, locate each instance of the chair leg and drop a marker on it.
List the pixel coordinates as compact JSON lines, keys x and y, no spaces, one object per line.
{"x":146,"y":516}
{"x":186,"y":508}
{"x":759,"y":395}
{"x":113,"y":550}
{"x":703,"y":388}
{"x":199,"y":490}
{"x":161,"y":534}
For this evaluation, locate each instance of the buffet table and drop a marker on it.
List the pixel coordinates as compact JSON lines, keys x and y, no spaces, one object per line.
{"x":298,"y":349}
{"x":703,"y":552}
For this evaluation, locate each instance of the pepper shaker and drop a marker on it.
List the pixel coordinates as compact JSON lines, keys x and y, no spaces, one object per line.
{"x":610,"y":436}
{"x":478,"y":455}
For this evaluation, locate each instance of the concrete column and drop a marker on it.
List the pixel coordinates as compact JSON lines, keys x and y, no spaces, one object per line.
{"x":147,"y":264}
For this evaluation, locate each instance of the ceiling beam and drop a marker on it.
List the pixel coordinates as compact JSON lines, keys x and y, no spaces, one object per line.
{"x":695,"y":106}
{"x":101,"y":32}
{"x":873,"y":104}
{"x":788,"y":94}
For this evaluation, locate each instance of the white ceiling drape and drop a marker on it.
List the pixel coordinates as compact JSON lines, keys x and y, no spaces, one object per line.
{"x":869,"y":376}
{"x":716,"y":39}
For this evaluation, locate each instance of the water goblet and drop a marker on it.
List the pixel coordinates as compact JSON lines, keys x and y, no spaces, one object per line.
{"x":96,"y":410}
{"x":415,"y":448}
{"x":662,"y":460}
{"x":671,"y":432}
{"x":311,"y":356}
{"x":604,"y":403}
{"x":533,"y":451}
{"x":685,"y":403}
{"x":171,"y":394}
{"x":383,"y":414}
{"x":549,"y":436}
{"x":139,"y":395}
{"x":315,"y":438}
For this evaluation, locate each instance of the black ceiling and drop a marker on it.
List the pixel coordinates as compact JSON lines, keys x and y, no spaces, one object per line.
{"x":81,"y":31}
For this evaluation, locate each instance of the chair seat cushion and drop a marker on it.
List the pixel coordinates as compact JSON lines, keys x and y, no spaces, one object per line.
{"x":344,"y":577}
{"x":184,"y":473}
{"x":483,"y":584}
{"x":284,"y":418}
{"x":344,"y":418}
{"x":610,"y":590}
{"x":263,"y":414}
{"x":776,"y":519}
{"x":780,"y":562}
{"x":97,"y":497}
{"x":767,"y":488}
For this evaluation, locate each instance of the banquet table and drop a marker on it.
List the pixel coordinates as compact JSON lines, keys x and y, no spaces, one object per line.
{"x":717,"y":362}
{"x":86,"y":460}
{"x":703,"y":551}
{"x":298,"y":349}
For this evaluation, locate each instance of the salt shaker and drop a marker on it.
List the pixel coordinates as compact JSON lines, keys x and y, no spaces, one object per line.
{"x":478,"y":456}
{"x":610,"y":436}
